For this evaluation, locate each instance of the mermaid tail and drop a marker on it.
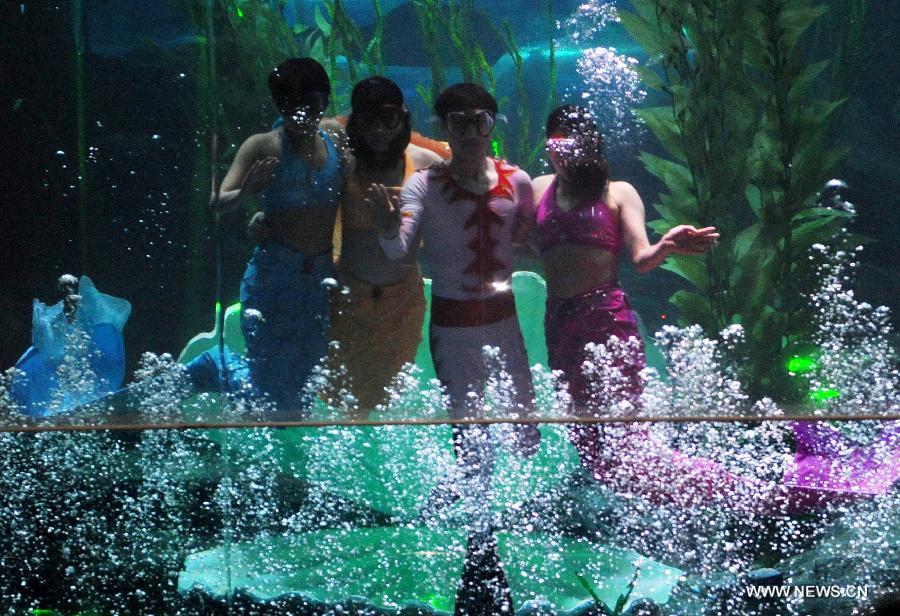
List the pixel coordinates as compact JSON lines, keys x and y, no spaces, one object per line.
{"x":827,"y":460}
{"x":629,"y":460}
{"x":40,"y":389}
{"x":632,"y":462}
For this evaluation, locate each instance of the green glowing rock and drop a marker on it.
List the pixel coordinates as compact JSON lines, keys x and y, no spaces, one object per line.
{"x":801,"y":365}
{"x":821,"y":395}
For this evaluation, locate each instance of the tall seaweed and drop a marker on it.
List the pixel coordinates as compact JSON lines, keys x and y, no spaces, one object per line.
{"x":527,"y":150}
{"x":456,"y":21}
{"x":427,"y":13}
{"x":747,"y":148}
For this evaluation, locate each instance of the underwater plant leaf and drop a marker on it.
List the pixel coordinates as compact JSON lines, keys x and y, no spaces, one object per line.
{"x":425,"y":93}
{"x":676,"y":177}
{"x":322,"y":24}
{"x":818,"y":230}
{"x":590,"y":588}
{"x":754,"y":198}
{"x":667,"y":213}
{"x":815,"y":113}
{"x":690,"y":268}
{"x":646,"y":33}
{"x":622,"y":601}
{"x":693,"y":308}
{"x":820,"y":212}
{"x":652,"y":79}
{"x":767,"y":324}
{"x":660,"y":121}
{"x":659,"y":225}
{"x":793,"y":22}
{"x":810,"y":166}
{"x":859,"y":239}
{"x":677,"y":209}
{"x":804,"y":79}
{"x":745,"y":240}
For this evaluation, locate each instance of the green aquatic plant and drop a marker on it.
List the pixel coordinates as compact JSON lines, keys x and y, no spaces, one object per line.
{"x":456,"y":21}
{"x":521,"y":109}
{"x":747,"y":147}
{"x":528,"y":146}
{"x":429,"y":26}
{"x":344,"y":39}
{"x":621,"y":601}
{"x":791,"y":158}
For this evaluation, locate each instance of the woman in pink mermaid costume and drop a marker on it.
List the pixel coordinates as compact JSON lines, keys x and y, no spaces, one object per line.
{"x":584,"y":222}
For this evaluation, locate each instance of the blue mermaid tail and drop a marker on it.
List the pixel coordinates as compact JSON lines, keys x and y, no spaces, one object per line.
{"x":91,"y":345}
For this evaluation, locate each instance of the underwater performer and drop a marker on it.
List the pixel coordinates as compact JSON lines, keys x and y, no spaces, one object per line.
{"x":469,"y":211}
{"x":377,"y":324}
{"x":297,"y":172}
{"x":584,"y":221}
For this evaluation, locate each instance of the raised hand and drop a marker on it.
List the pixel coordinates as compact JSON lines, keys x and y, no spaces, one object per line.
{"x":259,"y":230}
{"x":689,"y":240}
{"x":384,"y":206}
{"x":259,"y":176}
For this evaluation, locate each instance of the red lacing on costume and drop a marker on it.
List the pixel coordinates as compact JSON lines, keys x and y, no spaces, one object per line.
{"x":485,"y":264}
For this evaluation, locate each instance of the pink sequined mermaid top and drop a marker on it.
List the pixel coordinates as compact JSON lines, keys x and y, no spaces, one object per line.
{"x":468,"y":237}
{"x":588,"y":225}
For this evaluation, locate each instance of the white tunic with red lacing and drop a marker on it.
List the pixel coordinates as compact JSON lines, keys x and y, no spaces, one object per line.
{"x":469,"y":247}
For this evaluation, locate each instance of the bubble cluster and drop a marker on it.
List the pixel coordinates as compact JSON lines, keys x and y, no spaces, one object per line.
{"x":610,"y":85}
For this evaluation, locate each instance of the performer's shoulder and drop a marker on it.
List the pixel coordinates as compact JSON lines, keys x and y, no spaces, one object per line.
{"x":422,"y":158}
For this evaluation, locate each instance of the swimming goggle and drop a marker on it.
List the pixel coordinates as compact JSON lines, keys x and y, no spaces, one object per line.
{"x":388,"y":116}
{"x":458,"y":122}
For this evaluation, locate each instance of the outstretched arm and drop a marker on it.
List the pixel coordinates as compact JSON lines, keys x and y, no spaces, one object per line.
{"x":682,"y":239}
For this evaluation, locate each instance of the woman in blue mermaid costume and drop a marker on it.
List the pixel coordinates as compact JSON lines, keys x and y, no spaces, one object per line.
{"x":297,"y":171}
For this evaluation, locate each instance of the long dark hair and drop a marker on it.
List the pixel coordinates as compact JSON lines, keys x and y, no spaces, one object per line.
{"x":372,"y":93}
{"x":589,"y":170}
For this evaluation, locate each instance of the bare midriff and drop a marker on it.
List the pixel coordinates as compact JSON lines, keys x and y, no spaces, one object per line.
{"x":573,"y":269}
{"x":308,"y":230}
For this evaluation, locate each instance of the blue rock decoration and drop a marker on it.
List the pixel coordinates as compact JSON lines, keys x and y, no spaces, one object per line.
{"x":41,"y":388}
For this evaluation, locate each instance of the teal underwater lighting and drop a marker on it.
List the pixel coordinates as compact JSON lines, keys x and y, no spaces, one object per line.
{"x":801,"y":365}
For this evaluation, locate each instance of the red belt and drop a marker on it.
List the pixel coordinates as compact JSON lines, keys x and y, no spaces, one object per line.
{"x":447,"y":312}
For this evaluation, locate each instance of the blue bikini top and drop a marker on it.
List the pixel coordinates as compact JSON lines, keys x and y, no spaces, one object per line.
{"x":297,"y":185}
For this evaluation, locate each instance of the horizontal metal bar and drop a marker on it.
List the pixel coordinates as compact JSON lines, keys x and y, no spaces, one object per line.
{"x":348,"y":423}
